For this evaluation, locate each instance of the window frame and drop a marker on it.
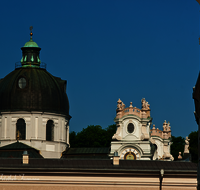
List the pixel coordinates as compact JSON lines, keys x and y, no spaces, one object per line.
{"x":21,"y":129}
{"x":50,"y":130}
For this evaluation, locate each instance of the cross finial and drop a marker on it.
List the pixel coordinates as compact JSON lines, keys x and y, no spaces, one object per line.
{"x":31,"y":28}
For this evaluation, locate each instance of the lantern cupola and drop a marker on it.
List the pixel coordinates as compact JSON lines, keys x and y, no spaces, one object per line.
{"x":30,"y":53}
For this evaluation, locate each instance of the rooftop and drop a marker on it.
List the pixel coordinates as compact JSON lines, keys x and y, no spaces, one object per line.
{"x":31,"y":43}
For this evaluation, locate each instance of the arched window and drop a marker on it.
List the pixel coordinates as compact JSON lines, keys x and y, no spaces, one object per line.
{"x":21,"y":129}
{"x":49,"y":130}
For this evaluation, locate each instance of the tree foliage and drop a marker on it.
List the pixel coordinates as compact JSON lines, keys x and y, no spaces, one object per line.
{"x":177,"y":146}
{"x":92,"y":136}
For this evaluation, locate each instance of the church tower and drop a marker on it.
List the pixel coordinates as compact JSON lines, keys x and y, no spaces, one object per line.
{"x":134,"y":140}
{"x":34,"y":107}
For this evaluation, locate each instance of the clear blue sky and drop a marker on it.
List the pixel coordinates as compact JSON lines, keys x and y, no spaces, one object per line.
{"x":110,"y":49}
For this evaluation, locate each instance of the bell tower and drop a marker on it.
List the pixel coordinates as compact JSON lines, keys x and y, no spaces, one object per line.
{"x":134,"y":140}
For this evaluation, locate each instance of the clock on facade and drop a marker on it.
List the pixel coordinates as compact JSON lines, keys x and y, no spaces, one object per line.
{"x":130,"y":154}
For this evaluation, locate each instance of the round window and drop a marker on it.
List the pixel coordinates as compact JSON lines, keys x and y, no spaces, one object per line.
{"x":130,"y":128}
{"x":22,"y":83}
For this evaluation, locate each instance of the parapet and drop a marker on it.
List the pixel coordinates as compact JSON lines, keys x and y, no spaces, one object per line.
{"x":165,"y":134}
{"x":141,"y":113}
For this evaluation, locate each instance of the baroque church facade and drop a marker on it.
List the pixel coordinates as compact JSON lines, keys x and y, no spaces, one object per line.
{"x":134,"y":139}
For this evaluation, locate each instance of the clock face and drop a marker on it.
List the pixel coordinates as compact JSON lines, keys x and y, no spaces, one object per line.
{"x":130,"y":154}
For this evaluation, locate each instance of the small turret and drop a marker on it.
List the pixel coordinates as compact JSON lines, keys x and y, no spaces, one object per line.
{"x":30,"y":53}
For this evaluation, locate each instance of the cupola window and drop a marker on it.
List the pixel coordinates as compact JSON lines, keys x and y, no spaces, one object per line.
{"x":21,"y":129}
{"x":130,"y":128}
{"x":49,"y":130}
{"x":22,"y":83}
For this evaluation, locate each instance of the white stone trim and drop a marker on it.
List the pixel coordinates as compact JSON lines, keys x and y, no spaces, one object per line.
{"x":36,"y":131}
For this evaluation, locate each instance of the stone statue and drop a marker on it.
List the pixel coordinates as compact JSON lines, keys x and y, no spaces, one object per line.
{"x":168,"y":126}
{"x":165,"y":126}
{"x":123,"y":105}
{"x":186,"y":150}
{"x":117,"y":134}
{"x":145,"y":104}
{"x":119,"y":104}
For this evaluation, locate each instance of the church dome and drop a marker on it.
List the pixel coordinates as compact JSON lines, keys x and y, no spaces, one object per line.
{"x":32,"y":88}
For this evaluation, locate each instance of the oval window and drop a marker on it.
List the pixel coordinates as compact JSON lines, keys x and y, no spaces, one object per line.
{"x":22,"y":83}
{"x":130,"y":128}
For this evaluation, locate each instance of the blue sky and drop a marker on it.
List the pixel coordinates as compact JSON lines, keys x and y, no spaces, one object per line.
{"x":110,"y":49}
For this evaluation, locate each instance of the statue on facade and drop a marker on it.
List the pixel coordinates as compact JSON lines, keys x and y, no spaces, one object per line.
{"x":123,"y":105}
{"x":166,"y":130}
{"x":117,"y":134}
{"x":186,"y":150}
{"x":145,"y":104}
{"x":119,"y":104}
{"x":165,"y":127}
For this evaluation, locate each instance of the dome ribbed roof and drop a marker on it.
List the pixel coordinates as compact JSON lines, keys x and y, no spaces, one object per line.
{"x":40,"y":92}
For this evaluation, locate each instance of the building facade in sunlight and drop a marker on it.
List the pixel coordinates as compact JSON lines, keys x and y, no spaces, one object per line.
{"x":134,"y":139}
{"x":34,"y":125}
{"x":34,"y":106}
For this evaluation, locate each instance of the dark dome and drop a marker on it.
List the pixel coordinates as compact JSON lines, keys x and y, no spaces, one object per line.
{"x":33,"y":89}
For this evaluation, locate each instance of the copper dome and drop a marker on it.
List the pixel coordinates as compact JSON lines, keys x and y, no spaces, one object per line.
{"x":33,"y":89}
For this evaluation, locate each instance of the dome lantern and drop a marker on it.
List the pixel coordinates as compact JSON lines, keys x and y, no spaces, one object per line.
{"x":30,"y":53}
